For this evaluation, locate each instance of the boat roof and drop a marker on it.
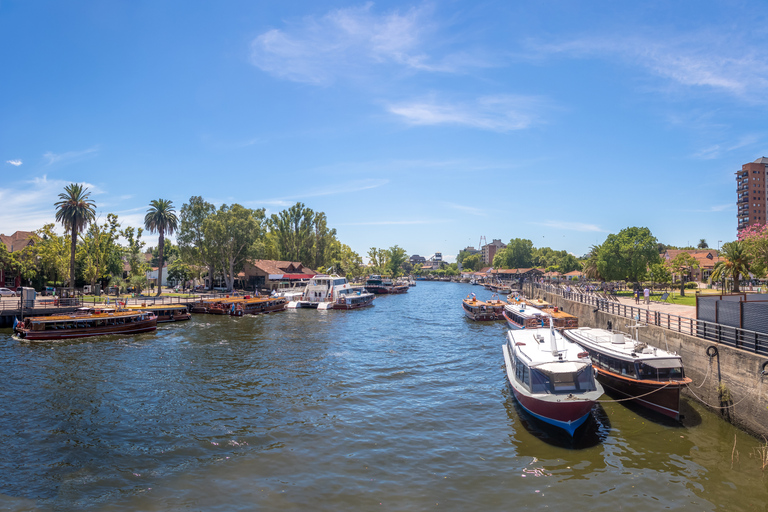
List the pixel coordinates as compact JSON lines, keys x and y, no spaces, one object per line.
{"x":525,"y":311}
{"x":624,"y":346}
{"x":80,"y":316}
{"x":157,"y":306}
{"x":536,"y":346}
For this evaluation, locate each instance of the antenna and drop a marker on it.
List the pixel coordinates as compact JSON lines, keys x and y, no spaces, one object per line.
{"x":483,"y":242}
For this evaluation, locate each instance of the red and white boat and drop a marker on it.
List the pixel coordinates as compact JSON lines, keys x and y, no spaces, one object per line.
{"x":551,"y":377}
{"x":629,"y":368}
{"x":332,"y":292}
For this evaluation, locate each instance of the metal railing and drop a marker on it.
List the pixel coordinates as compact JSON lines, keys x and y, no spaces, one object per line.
{"x":753,"y":341}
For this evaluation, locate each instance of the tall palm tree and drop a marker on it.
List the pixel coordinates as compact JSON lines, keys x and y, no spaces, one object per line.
{"x":589,"y":266}
{"x":161,"y":219}
{"x":75,"y":211}
{"x":735,"y":264}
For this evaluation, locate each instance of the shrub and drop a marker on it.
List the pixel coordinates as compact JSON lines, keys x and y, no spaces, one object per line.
{"x":691,"y":285}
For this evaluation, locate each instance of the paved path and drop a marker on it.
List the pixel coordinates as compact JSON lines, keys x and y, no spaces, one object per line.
{"x":671,"y":309}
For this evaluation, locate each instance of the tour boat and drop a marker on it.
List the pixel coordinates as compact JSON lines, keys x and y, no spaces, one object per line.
{"x":257,"y":305}
{"x":561,"y":319}
{"x":519,"y":315}
{"x":165,"y":312}
{"x":332,"y":292}
{"x":482,"y":311}
{"x":383,"y":285}
{"x":551,"y":377}
{"x":629,"y":368}
{"x":85,"y":322}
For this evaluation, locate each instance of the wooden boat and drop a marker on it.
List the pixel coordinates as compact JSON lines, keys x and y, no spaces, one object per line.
{"x":561,"y":319}
{"x":519,"y":315}
{"x":333,"y":292}
{"x":482,"y":311}
{"x":165,"y":312}
{"x":257,"y":305}
{"x":629,"y":368}
{"x":551,"y":377}
{"x":382,"y":285}
{"x":85,"y":322}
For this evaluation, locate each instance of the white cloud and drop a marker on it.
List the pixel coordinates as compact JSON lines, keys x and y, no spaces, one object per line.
{"x":14,"y":162}
{"x":481,"y":212}
{"x":391,"y":223}
{"x":571,"y":226}
{"x":69,"y":156}
{"x":496,"y":113}
{"x":715,"y":59}
{"x":348,"y":42}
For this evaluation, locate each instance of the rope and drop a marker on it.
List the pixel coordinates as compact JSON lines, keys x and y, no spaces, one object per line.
{"x":726,"y":406}
{"x":634,"y":397}
{"x":709,"y":370}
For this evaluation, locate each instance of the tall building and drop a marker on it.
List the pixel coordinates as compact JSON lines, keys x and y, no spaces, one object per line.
{"x":489,"y":251}
{"x":752,"y":193}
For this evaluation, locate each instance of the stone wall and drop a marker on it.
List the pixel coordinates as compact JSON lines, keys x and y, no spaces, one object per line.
{"x":730,"y":371}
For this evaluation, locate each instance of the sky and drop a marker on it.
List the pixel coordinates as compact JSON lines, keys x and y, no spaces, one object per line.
{"x":427,"y":125}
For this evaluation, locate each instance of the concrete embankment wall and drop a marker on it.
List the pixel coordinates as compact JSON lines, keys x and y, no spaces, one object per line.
{"x":731,"y":381}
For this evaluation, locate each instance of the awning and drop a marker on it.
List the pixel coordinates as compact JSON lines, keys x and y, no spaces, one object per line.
{"x":663,"y":363}
{"x":274,"y":277}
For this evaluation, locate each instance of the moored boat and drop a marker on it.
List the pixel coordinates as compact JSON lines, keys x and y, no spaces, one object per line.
{"x":551,"y":377}
{"x":165,"y":312}
{"x":332,"y":292}
{"x":85,"y":322}
{"x":482,"y":311}
{"x":257,"y":305}
{"x":519,"y":315}
{"x":628,"y":368}
{"x":383,"y":285}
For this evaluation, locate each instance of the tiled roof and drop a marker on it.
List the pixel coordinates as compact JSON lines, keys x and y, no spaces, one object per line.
{"x":574,"y":273}
{"x":706,"y":258}
{"x":17,"y":241}
{"x":281,"y":267}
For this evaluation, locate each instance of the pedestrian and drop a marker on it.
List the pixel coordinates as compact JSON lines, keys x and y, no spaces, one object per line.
{"x":647,"y":295}
{"x":637,"y":295}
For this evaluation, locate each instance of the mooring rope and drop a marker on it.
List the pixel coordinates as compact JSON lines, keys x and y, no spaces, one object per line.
{"x":634,"y":397}
{"x":726,"y":406}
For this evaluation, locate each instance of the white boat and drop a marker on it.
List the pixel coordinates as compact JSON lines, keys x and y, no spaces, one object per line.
{"x":520,"y":315}
{"x":630,"y":368}
{"x":332,"y":292}
{"x":551,"y":377}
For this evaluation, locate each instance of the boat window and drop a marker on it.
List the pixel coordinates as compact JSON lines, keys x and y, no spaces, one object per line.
{"x":585,"y":380}
{"x":339,"y":281}
{"x":563,"y":382}
{"x":539,"y":382}
{"x":646,"y":372}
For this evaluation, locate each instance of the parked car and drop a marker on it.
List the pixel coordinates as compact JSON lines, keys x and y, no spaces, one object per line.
{"x":6,"y":292}
{"x":48,"y":290}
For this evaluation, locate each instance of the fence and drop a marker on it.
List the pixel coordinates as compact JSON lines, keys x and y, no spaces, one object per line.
{"x":753,"y":341}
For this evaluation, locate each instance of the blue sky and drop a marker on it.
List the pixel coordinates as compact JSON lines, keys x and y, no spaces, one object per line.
{"x":425,"y":124}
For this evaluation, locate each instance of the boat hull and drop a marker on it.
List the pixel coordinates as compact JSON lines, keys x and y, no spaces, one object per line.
{"x":658,"y":396}
{"x":132,"y":328}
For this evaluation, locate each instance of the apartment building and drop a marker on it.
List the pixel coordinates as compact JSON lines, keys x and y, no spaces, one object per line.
{"x":752,"y":194}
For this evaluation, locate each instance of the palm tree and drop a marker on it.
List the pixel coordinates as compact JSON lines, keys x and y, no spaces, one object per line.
{"x":161,"y":219}
{"x":735,"y":264}
{"x":589,"y":266}
{"x":75,"y":211}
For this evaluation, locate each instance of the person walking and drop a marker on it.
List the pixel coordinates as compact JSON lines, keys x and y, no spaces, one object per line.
{"x":647,"y":295}
{"x":637,"y":295}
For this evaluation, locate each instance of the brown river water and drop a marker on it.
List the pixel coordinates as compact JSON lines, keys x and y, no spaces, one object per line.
{"x":401,"y":406}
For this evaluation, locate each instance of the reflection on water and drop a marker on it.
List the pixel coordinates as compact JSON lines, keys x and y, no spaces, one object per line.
{"x":402,"y":406}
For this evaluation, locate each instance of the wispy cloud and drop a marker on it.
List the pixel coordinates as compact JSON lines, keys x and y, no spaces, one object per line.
{"x":467,"y":209}
{"x":14,"y":162}
{"x":391,"y":223}
{"x":69,"y":156}
{"x":347,"y":187}
{"x":496,"y":113}
{"x":571,"y":226}
{"x":348,"y":42}
{"x":716,"y":59}
{"x":717,"y":150}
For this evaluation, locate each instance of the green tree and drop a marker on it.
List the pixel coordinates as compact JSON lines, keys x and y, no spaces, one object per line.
{"x":74,"y":211}
{"x":627,"y":255}
{"x":703,"y":244}
{"x":52,"y":253}
{"x":134,"y":254}
{"x":293,"y":231}
{"x":660,"y":273}
{"x":396,"y":256}
{"x":235,"y":232}
{"x":178,"y":271}
{"x":735,"y":264}
{"x":472,"y":262}
{"x":194,"y":248}
{"x":589,"y":265}
{"x":683,"y":264}
{"x":377,"y":258}
{"x":161,"y":219}
{"x":755,"y":242}
{"x":100,"y":251}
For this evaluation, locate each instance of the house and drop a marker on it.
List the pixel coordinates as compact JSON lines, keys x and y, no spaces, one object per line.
{"x":270,"y":274}
{"x":417,"y":259}
{"x":706,"y":258}
{"x":15,"y":242}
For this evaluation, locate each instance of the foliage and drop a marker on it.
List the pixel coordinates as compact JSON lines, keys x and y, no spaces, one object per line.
{"x":702,"y":244}
{"x":473,"y":262}
{"x":683,"y":264}
{"x":161,"y":219}
{"x":377,"y":259}
{"x":517,"y":254}
{"x":627,"y":255}
{"x":178,"y":271}
{"x":589,"y":265}
{"x":396,"y":256}
{"x":734,"y":265}
{"x":74,"y":211}
{"x":100,"y":251}
{"x":194,"y":248}
{"x":52,"y":254}
{"x":133,"y":253}
{"x":660,"y":273}
{"x":755,"y":241}
{"x":234,"y":232}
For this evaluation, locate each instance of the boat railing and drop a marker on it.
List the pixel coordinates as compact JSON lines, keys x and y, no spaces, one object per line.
{"x":736,"y":337}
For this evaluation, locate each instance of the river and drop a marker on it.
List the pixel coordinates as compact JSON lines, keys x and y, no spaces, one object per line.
{"x":401,"y":406}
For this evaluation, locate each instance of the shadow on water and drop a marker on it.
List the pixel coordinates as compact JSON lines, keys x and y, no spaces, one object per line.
{"x":593,"y":432}
{"x":689,"y":417}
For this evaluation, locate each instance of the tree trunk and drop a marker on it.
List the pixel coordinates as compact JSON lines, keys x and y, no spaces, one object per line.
{"x":72,"y":262}
{"x":160,"y":250}
{"x":211,"y":270}
{"x":682,"y":287}
{"x":736,"y":278}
